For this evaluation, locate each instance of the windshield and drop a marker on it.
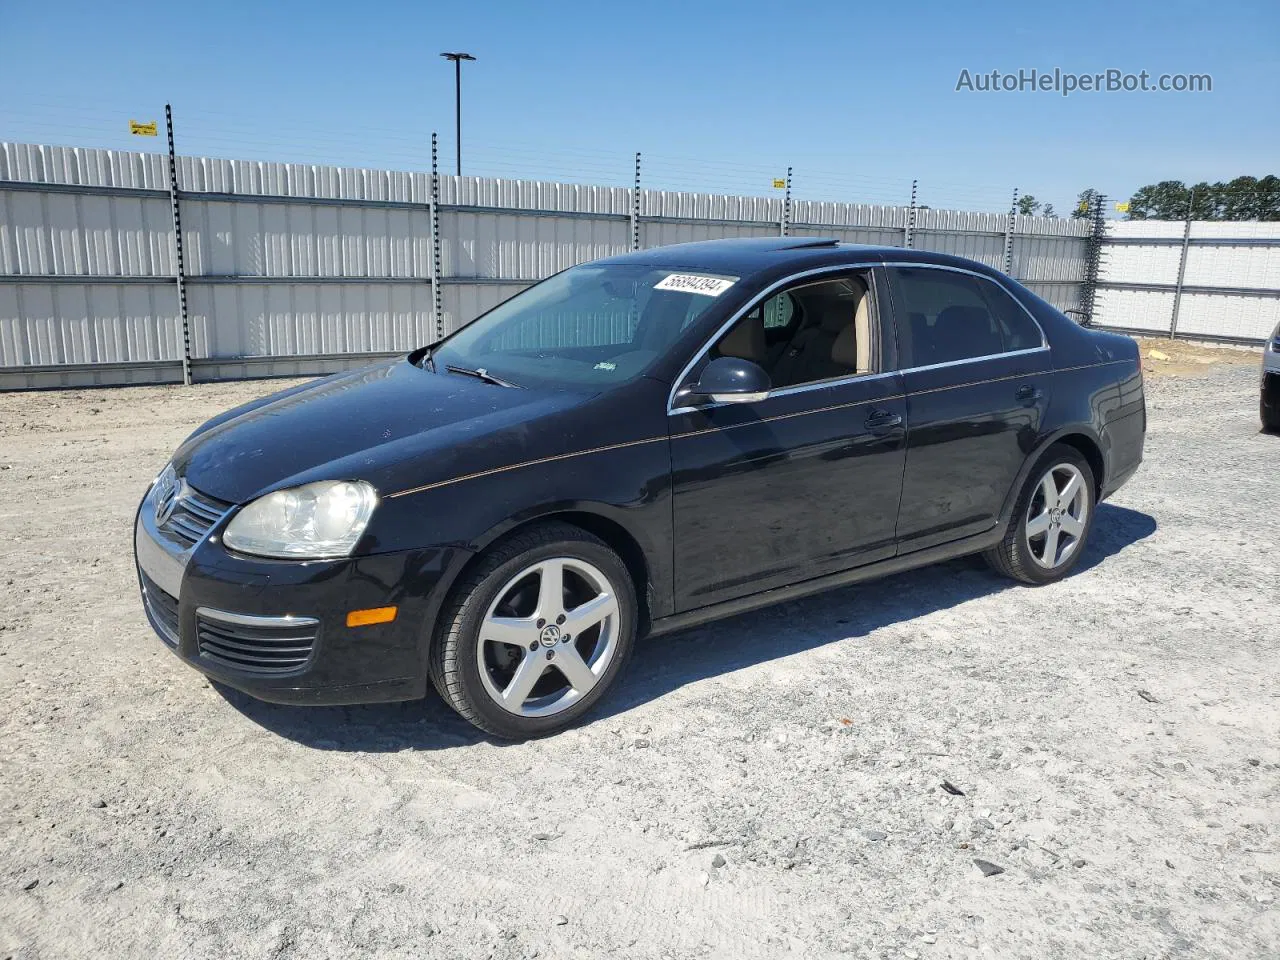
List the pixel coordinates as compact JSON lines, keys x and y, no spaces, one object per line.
{"x":596,"y":324}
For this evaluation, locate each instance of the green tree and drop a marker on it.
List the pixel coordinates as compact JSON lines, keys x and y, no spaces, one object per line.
{"x":1029,"y":206}
{"x":1205,"y":201}
{"x":1088,"y":199}
{"x":1250,"y":198}
{"x":1166,"y":200}
{"x":1244,"y":198}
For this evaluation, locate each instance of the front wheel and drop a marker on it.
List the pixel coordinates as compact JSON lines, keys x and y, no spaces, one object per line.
{"x":537,"y":633}
{"x":1051,"y":520}
{"x":1269,"y":413}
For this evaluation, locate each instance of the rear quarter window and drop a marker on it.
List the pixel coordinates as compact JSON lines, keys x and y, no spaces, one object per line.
{"x":1017,"y":330}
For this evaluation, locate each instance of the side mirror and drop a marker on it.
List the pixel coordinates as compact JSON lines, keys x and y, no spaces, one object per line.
{"x":732,"y":380}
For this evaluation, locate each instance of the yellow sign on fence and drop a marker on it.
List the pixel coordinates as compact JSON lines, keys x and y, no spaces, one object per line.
{"x":779,"y":184}
{"x":142,"y":129}
{"x":1122,"y":207}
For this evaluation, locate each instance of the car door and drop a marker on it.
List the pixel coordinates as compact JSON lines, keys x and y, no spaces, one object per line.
{"x":975,"y":372}
{"x":806,"y":481}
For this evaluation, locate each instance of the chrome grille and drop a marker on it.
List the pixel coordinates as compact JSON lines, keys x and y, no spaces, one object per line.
{"x":163,"y":610}
{"x":263,"y":645}
{"x":193,"y":516}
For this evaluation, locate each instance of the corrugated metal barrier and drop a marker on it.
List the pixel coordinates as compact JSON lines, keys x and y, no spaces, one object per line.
{"x":1199,"y":279}
{"x":295,"y":269}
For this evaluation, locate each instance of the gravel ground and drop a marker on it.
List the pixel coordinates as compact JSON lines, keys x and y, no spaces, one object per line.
{"x":764,"y":786}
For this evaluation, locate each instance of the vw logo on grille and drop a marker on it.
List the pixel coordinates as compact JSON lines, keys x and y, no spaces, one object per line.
{"x":166,"y":500}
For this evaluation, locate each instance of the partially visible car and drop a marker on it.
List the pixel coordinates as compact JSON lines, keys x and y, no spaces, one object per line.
{"x":1269,"y":404}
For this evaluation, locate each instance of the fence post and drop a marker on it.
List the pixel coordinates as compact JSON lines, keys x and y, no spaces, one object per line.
{"x":635,"y":208}
{"x":909,"y":232}
{"x":785,"y":225}
{"x":177,"y":239}
{"x":1182,"y":267}
{"x":437,"y":309}
{"x":1093,"y":259}
{"x":1008,"y":235}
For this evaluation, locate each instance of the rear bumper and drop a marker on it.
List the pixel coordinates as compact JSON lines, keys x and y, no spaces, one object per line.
{"x":277,"y":630}
{"x":1271,"y":388}
{"x":1124,"y":441}
{"x":1118,"y":480}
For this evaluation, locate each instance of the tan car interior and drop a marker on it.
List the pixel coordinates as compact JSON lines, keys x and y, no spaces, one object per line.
{"x":831,"y":335}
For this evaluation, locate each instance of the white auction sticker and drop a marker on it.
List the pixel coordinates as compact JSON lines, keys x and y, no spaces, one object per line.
{"x":692,"y":283}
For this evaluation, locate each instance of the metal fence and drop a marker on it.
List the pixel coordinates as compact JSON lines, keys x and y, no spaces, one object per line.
{"x":123,"y":267}
{"x":1193,"y":279}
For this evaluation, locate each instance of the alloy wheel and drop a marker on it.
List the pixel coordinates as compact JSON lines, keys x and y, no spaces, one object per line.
{"x":1057,"y":516}
{"x":548,"y":637}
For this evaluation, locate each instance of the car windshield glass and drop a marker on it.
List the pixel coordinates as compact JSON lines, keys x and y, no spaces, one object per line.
{"x":592,"y":325}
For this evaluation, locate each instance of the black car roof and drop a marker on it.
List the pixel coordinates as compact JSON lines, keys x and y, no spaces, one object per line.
{"x":743,"y":257}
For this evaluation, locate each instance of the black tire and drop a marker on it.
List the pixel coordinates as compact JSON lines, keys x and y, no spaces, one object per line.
{"x":1269,"y":414}
{"x":1013,"y":556}
{"x":453,"y":663}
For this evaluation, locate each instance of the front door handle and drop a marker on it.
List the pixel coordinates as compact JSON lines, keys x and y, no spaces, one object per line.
{"x":1029,"y":393}
{"x":881,"y":420}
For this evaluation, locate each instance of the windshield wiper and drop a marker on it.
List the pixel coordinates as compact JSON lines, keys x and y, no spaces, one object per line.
{"x":480,"y":373}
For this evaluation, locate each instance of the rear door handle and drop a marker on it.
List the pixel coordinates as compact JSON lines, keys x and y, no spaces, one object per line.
{"x":1028,"y":393}
{"x":881,"y":420}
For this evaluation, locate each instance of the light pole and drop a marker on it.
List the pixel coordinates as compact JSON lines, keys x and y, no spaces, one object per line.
{"x":457,"y":59}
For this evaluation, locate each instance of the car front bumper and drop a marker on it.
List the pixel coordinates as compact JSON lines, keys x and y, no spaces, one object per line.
{"x":1271,"y":374}
{"x":277,"y":630}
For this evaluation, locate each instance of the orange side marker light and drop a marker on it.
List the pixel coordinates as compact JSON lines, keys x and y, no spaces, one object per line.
{"x":364,"y":618}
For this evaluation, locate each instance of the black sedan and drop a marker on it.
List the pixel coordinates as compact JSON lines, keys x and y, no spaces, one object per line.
{"x":632,"y":446}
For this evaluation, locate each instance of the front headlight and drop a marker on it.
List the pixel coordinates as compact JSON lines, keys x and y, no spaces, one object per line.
{"x":316,"y":520}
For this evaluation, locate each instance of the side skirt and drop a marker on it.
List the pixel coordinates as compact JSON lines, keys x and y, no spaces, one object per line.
{"x":872,"y":571}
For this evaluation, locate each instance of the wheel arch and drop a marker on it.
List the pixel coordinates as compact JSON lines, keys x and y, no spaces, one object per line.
{"x":1092,"y":452}
{"x":594,"y":519}
{"x":1078,"y":436}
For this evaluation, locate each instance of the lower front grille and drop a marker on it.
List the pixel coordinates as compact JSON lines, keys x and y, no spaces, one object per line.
{"x":261,"y":645}
{"x":163,"y":609}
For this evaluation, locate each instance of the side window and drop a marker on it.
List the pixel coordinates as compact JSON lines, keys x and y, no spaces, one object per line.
{"x":808,"y":333}
{"x":943,"y":317}
{"x":1017,"y":329}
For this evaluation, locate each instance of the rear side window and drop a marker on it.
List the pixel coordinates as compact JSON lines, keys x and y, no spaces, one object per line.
{"x":1017,"y":329}
{"x":944,"y":316}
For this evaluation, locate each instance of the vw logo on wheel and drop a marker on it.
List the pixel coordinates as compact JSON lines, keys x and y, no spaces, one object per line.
{"x":550,"y":635}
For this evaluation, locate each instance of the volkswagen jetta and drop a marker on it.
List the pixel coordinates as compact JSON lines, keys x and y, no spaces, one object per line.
{"x":632,"y":446}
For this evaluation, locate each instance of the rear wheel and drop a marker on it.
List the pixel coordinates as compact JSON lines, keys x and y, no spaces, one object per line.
{"x":1051,"y":520}
{"x":537,"y":633}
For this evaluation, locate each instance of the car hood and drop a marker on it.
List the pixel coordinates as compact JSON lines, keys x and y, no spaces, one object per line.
{"x":390,"y":424}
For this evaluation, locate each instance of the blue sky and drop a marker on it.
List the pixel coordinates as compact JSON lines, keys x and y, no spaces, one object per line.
{"x":859,"y":98}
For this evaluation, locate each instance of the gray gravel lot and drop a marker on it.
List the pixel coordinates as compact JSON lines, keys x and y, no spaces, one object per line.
{"x":764,"y":786}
